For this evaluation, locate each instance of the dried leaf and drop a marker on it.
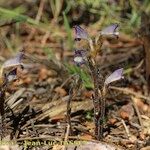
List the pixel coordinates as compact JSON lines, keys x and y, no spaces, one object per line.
{"x":127,"y":111}
{"x":87,"y":94}
{"x":43,"y":74}
{"x":141,"y":105}
{"x":112,"y":121}
{"x":60,"y":91}
{"x":145,"y":148}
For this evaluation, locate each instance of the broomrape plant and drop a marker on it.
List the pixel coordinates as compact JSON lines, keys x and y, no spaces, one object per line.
{"x":8,"y":74}
{"x":87,"y":57}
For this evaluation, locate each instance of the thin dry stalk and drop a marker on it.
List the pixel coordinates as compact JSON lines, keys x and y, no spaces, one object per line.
{"x":75,"y":87}
{"x":138,"y":113}
{"x":129,"y":91}
{"x":126,"y":128}
{"x":66,"y":136}
{"x":38,"y":17}
{"x":69,"y":109}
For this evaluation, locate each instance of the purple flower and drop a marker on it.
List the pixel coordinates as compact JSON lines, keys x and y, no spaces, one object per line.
{"x":116,"y":75}
{"x":80,"y":33}
{"x":14,"y":62}
{"x":12,"y":75}
{"x":110,"y":30}
{"x":79,"y":57}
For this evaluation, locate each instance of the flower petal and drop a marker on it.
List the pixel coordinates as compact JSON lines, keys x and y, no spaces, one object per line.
{"x":110,"y":30}
{"x":16,"y":61}
{"x":80,"y":33}
{"x":12,"y":75}
{"x":116,"y":75}
{"x":79,"y":57}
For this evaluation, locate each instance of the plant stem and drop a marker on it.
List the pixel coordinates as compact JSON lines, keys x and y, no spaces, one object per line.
{"x":96,"y":100}
{"x":69,"y":109}
{"x":73,"y":90}
{"x":102,"y":113}
{"x":2,"y":100}
{"x":102,"y":118}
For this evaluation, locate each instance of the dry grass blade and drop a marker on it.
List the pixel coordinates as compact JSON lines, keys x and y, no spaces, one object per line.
{"x":126,"y":128}
{"x":129,"y":91}
{"x":138,"y":112}
{"x":51,"y":64}
{"x":11,"y":100}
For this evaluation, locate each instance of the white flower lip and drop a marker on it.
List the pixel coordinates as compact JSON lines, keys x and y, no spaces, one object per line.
{"x":78,"y":59}
{"x":79,"y":56}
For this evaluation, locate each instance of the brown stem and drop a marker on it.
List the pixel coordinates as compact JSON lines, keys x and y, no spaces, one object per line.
{"x":2,"y":100}
{"x":75,"y":86}
{"x":102,"y":113}
{"x":96,"y":99}
{"x":100,"y":121}
{"x":69,"y":109}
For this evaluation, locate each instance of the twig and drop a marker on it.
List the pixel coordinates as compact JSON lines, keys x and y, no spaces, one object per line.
{"x":66,"y":136}
{"x":75,"y":86}
{"x":137,"y":112}
{"x":69,"y":109}
{"x":51,"y":64}
{"x":45,"y":37}
{"x":38,"y":16}
{"x":37,"y":138}
{"x":126,"y":128}
{"x":129,"y":91}
{"x":55,"y":19}
{"x":33,"y":127}
{"x":8,"y":23}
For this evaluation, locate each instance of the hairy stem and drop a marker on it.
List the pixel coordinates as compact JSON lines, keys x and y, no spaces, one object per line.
{"x":96,"y":100}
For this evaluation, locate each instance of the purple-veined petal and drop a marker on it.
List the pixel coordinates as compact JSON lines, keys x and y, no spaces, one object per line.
{"x":80,"y":33}
{"x":16,"y":61}
{"x":80,"y":52}
{"x":110,"y":30}
{"x":79,"y":57}
{"x":116,"y":75}
{"x":12,"y":75}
